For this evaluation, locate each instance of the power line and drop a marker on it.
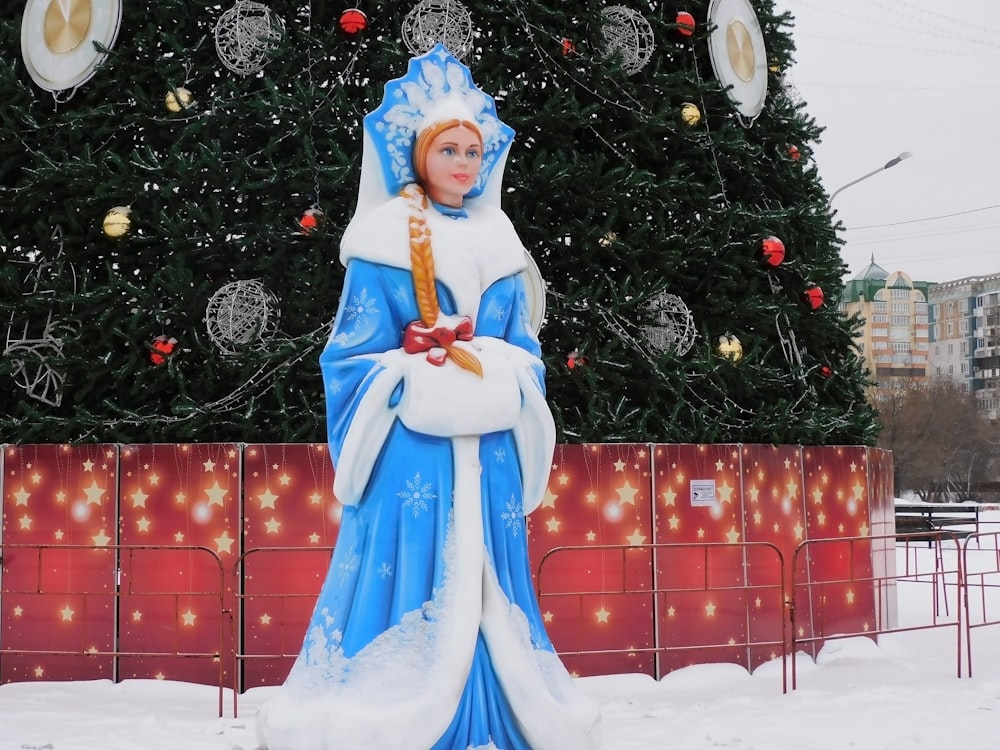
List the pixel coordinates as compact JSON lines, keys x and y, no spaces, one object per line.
{"x":937,"y":33}
{"x":921,"y":236}
{"x":839,"y":40}
{"x":925,"y":218}
{"x":950,"y":19}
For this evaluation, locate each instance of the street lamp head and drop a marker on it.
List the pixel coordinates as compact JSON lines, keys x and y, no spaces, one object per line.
{"x":894,"y":162}
{"x":887,"y":165}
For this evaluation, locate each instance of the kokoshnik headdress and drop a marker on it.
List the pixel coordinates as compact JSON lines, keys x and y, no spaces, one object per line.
{"x":436,"y":87}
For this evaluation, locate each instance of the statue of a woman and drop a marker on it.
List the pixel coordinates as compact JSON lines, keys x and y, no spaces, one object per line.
{"x":427,"y":633}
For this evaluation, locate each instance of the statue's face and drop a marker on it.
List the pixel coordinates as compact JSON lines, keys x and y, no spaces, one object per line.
{"x":453,"y":162}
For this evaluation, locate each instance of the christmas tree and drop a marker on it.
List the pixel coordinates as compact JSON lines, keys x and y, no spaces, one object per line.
{"x":170,"y":224}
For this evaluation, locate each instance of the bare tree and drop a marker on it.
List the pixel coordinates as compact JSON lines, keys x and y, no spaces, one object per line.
{"x":941,"y":444}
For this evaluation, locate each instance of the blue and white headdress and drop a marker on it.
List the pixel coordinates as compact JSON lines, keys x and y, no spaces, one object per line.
{"x":436,"y":87}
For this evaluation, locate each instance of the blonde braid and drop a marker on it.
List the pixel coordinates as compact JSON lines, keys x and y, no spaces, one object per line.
{"x":422,"y":264}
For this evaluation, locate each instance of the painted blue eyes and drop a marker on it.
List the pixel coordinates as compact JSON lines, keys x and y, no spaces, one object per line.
{"x":471,"y":154}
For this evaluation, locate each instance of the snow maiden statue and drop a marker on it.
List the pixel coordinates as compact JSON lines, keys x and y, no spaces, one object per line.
{"x":427,"y":633}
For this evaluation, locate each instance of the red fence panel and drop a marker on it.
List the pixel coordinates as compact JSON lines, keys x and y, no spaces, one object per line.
{"x":58,"y":605}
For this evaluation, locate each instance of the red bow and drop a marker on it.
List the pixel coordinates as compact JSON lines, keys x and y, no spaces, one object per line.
{"x":417,"y":338}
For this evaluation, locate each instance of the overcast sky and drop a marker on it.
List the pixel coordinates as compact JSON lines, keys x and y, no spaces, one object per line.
{"x":888,"y":76}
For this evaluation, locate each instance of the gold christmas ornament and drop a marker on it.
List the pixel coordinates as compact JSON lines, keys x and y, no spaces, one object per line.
{"x":730,"y":347}
{"x":117,"y":222}
{"x":178,"y":99}
{"x":690,"y":113}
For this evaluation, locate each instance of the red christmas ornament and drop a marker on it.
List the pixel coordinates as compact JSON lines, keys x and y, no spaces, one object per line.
{"x":311,"y":220}
{"x":685,"y":23}
{"x":353,"y":21}
{"x":813,"y":297}
{"x":793,"y":153}
{"x":574,"y":359}
{"x":773,"y":250}
{"x":161,"y":348}
{"x":825,"y":371}
{"x":568,"y":48}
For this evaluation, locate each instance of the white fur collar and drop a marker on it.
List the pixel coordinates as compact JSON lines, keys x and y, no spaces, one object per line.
{"x":469,"y":254}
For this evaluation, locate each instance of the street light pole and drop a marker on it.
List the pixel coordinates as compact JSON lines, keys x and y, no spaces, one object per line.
{"x":888,"y":165}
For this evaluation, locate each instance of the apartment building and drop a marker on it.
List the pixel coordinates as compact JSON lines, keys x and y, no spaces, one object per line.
{"x":895,"y":339}
{"x":966,"y":336}
{"x":952,"y":306}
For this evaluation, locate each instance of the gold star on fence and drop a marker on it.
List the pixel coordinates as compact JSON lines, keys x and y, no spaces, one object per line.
{"x":726,"y":492}
{"x":549,"y":499}
{"x":93,"y":493}
{"x":224,"y":543}
{"x":636,"y":539}
{"x":267,"y":499}
{"x":216,"y":494}
{"x":627,"y":493}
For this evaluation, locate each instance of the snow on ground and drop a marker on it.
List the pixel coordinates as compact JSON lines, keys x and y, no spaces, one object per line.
{"x":901,"y":693}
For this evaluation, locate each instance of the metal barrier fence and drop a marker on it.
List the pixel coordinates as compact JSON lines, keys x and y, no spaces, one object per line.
{"x":702,"y":563}
{"x":859,"y":572}
{"x":125,"y":559}
{"x":955,"y":564}
{"x":240,"y":654}
{"x":982,"y":573}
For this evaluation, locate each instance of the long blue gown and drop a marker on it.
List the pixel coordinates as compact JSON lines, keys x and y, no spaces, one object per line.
{"x":427,"y":633}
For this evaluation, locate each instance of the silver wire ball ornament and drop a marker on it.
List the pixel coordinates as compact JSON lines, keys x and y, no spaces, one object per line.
{"x":241,"y":313}
{"x":33,"y":367}
{"x":245,"y":35}
{"x":433,"y":21}
{"x":628,"y":33}
{"x":673,"y":329}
